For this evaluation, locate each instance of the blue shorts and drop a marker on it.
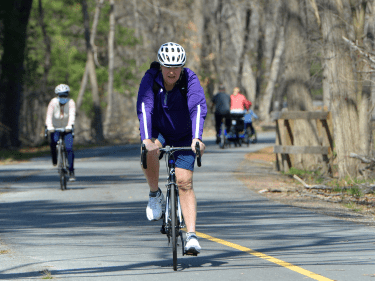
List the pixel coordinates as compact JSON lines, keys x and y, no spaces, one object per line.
{"x":184,"y":159}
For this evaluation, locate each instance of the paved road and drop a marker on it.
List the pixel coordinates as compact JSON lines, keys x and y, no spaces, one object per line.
{"x":97,"y":229}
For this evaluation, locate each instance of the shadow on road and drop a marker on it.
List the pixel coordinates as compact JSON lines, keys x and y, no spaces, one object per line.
{"x":242,"y":222}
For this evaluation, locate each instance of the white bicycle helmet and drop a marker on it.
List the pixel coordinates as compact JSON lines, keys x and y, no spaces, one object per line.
{"x":62,"y":91}
{"x":62,"y":88}
{"x":171,"y":55}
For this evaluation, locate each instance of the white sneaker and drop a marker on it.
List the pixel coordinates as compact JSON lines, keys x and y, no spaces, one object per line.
{"x":154,"y":207}
{"x":192,"y":246}
{"x":72,"y":176}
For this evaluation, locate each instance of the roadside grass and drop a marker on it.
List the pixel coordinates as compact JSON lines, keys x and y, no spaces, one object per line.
{"x":353,"y":206}
{"x":46,"y":274}
{"x":347,"y":185}
{"x":346,"y":188}
{"x":22,"y":154}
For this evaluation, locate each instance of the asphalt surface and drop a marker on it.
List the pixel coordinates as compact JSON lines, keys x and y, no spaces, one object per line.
{"x":98,"y":230}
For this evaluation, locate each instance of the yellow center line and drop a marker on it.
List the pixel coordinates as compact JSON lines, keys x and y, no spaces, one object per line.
{"x":266,"y":257}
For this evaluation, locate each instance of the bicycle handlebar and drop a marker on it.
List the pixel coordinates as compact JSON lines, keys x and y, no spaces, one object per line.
{"x":169,"y":149}
{"x":60,"y":130}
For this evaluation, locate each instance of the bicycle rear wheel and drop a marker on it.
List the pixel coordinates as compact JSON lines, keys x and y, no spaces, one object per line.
{"x":254,"y":138}
{"x":222,"y":136}
{"x":174,"y":225}
{"x":247,"y":134}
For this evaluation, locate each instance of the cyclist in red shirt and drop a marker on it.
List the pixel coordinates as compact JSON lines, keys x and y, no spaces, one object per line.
{"x":238,"y":102}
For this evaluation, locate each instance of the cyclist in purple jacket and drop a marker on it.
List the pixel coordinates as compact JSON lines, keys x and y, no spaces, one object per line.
{"x":170,"y":118}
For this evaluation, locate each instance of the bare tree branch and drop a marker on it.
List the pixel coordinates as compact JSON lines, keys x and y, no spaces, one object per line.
{"x":368,"y":55}
{"x":364,"y":159}
{"x":316,"y":12}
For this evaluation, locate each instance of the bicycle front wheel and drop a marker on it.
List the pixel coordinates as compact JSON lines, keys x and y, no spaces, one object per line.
{"x":63,"y":176}
{"x":174,"y":224}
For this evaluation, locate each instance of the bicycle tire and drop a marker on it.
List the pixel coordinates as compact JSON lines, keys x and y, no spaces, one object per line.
{"x":66,"y":165}
{"x":174,"y":225}
{"x":222,"y":136}
{"x":63,"y":179}
{"x":255,"y":139}
{"x":248,"y":139}
{"x":60,"y":166}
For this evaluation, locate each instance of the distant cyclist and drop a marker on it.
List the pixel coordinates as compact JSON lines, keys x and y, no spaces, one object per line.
{"x":238,"y":102}
{"x":177,"y":119}
{"x":249,"y":120}
{"x":61,"y":113}
{"x":221,"y":102}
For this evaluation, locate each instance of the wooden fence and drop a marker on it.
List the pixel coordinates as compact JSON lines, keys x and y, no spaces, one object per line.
{"x":285,"y":148}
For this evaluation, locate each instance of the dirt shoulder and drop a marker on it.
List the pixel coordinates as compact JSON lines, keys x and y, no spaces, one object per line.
{"x":258,"y":172}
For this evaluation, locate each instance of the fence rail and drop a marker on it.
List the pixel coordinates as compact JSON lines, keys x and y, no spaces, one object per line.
{"x":284,"y":146}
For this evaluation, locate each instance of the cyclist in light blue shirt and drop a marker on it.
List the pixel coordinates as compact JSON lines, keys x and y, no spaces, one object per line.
{"x":249,"y":120}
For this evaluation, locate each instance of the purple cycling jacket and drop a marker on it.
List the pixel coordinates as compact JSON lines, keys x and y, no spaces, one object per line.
{"x":169,"y":113}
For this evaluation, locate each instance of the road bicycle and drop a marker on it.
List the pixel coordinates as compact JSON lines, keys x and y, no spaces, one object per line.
{"x":172,"y":216}
{"x":62,"y":156}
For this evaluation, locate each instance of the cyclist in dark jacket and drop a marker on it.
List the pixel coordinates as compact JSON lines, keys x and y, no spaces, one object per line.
{"x":179,"y":120}
{"x":221,"y":101}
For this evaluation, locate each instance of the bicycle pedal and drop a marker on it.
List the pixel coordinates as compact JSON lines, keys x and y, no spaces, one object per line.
{"x":162,"y":230}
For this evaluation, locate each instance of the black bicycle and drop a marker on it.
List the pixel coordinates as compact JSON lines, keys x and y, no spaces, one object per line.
{"x":62,"y":156}
{"x":172,"y":217}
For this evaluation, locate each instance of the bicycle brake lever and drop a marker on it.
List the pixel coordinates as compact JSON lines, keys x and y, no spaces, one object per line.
{"x":198,"y":153}
{"x":144,"y":156}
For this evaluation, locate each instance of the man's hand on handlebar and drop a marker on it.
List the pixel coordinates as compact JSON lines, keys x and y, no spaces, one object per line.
{"x":201,"y":145}
{"x":152,"y":148}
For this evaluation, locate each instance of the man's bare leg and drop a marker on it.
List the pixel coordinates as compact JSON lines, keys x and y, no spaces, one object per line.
{"x":187,"y":197}
{"x":152,"y":171}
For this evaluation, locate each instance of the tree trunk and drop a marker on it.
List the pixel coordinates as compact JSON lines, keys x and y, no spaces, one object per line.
{"x":266,"y":99}
{"x":267,"y":42}
{"x":136,"y":30}
{"x":363,"y":76}
{"x":111,"y":43}
{"x":44,"y":96}
{"x":84,"y":80}
{"x":97,"y":122}
{"x":297,"y":75}
{"x":195,"y":36}
{"x":244,"y":47}
{"x":341,"y":79}
{"x":15,"y":19}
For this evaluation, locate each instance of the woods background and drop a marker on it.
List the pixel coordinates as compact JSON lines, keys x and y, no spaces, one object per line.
{"x":279,"y":52}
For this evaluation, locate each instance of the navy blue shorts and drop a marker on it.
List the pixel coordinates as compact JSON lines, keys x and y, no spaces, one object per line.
{"x":184,"y":159}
